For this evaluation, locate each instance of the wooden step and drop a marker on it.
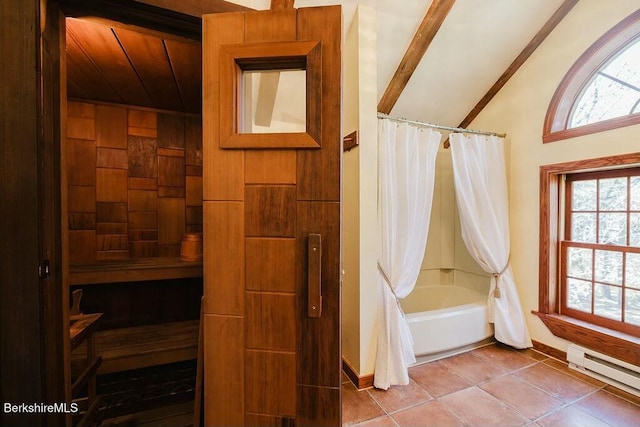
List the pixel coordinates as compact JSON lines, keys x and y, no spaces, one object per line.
{"x":142,"y":346}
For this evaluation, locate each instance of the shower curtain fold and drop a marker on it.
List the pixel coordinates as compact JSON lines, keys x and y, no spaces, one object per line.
{"x":407,"y":157}
{"x":481,"y":193}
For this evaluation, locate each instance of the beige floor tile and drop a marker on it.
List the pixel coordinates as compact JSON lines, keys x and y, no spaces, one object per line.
{"x":623,"y":394}
{"x":437,"y":379}
{"x":504,"y":356}
{"x":473,"y":368}
{"x":514,"y":388}
{"x":385,"y":421}
{"x":478,"y":408}
{"x":611,"y":409}
{"x":564,"y":367}
{"x":530,"y":401}
{"x":570,"y":417}
{"x":400,"y":397}
{"x":432,"y":413}
{"x":358,"y":406}
{"x":534,"y":354}
{"x":557,"y":384}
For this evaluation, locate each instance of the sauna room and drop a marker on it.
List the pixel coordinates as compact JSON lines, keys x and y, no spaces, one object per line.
{"x":435,"y":221}
{"x":134,"y":209}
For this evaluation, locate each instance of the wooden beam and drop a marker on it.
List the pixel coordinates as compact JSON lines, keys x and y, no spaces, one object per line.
{"x":546,"y":29}
{"x":429,"y":26}
{"x":282,"y":4}
{"x":536,"y":41}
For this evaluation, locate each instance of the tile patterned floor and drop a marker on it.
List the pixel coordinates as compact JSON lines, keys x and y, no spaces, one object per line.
{"x":492,"y":386}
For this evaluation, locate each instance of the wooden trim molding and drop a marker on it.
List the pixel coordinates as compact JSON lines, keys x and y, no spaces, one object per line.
{"x":350,"y":141}
{"x":608,"y":341}
{"x":614,"y":123}
{"x":549,"y":351}
{"x":429,"y":26}
{"x":234,"y":59}
{"x":361,"y":383}
{"x":579,"y":75}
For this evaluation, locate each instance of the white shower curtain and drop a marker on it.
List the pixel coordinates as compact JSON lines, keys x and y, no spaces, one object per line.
{"x":481,"y":192}
{"x":407,"y":156}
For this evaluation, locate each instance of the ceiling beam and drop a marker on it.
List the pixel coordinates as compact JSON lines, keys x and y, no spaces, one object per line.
{"x":282,"y":4}
{"x":429,"y":26}
{"x":546,"y":29}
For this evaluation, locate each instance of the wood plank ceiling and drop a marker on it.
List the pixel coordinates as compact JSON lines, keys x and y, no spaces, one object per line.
{"x":109,"y":63}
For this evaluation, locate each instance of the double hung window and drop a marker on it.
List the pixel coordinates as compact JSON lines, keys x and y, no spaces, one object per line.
{"x":600,"y":252}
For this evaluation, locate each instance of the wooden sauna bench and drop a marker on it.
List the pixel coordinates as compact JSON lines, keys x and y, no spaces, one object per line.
{"x":142,"y":346}
{"x":132,"y":270}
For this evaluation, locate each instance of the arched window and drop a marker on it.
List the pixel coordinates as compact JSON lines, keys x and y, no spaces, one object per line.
{"x":601,"y":91}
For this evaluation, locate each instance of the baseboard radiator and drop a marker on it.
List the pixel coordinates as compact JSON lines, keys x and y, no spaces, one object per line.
{"x":605,"y":368}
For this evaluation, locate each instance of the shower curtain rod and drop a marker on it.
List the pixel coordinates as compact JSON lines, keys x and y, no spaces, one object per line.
{"x":430,"y":125}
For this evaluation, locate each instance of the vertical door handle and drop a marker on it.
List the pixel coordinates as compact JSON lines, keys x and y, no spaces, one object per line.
{"x":314,"y":275}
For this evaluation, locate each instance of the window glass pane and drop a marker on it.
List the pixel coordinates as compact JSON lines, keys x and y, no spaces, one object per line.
{"x":583,"y":195}
{"x":634,"y":229}
{"x":273,"y":101}
{"x":635,"y":193}
{"x":613,"y":92}
{"x":603,"y":99}
{"x":626,"y":66}
{"x":613,"y":228}
{"x":580,"y":264}
{"x":608,"y":301}
{"x":613,"y":194}
{"x":583,"y":227}
{"x":632,"y":270}
{"x":632,"y":307}
{"x":579,"y":295}
{"x":608,"y":266}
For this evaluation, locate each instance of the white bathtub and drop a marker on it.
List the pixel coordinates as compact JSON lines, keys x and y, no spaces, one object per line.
{"x":446,"y":319}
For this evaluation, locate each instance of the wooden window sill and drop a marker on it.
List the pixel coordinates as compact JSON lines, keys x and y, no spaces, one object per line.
{"x":133,"y":270}
{"x":607,"y":341}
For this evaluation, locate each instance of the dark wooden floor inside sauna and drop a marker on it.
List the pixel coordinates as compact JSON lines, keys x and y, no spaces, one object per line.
{"x":158,"y":395}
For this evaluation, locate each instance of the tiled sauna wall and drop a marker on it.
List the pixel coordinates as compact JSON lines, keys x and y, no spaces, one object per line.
{"x":134,"y":179}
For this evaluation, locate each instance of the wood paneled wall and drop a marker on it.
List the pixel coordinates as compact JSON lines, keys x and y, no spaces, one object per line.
{"x":169,"y":300}
{"x":134,"y":180}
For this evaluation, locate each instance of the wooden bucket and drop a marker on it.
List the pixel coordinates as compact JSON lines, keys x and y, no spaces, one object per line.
{"x":191,"y":249}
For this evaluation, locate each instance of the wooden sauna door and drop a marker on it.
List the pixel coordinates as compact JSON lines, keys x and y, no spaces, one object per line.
{"x":267,"y":362}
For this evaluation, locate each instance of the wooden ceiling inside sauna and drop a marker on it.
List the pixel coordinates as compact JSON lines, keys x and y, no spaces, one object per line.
{"x":113,"y":64}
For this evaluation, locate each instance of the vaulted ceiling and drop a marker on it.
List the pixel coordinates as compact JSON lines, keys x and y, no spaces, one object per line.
{"x":476,"y":42}
{"x":474,"y":46}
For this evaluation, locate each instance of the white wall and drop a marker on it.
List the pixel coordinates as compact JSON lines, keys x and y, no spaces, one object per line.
{"x":350,"y":320}
{"x":519,"y":110}
{"x":360,"y":169}
{"x":446,"y":259}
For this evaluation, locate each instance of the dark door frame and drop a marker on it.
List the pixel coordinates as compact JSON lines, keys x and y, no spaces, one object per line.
{"x":31,"y":333}
{"x":33,"y":105}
